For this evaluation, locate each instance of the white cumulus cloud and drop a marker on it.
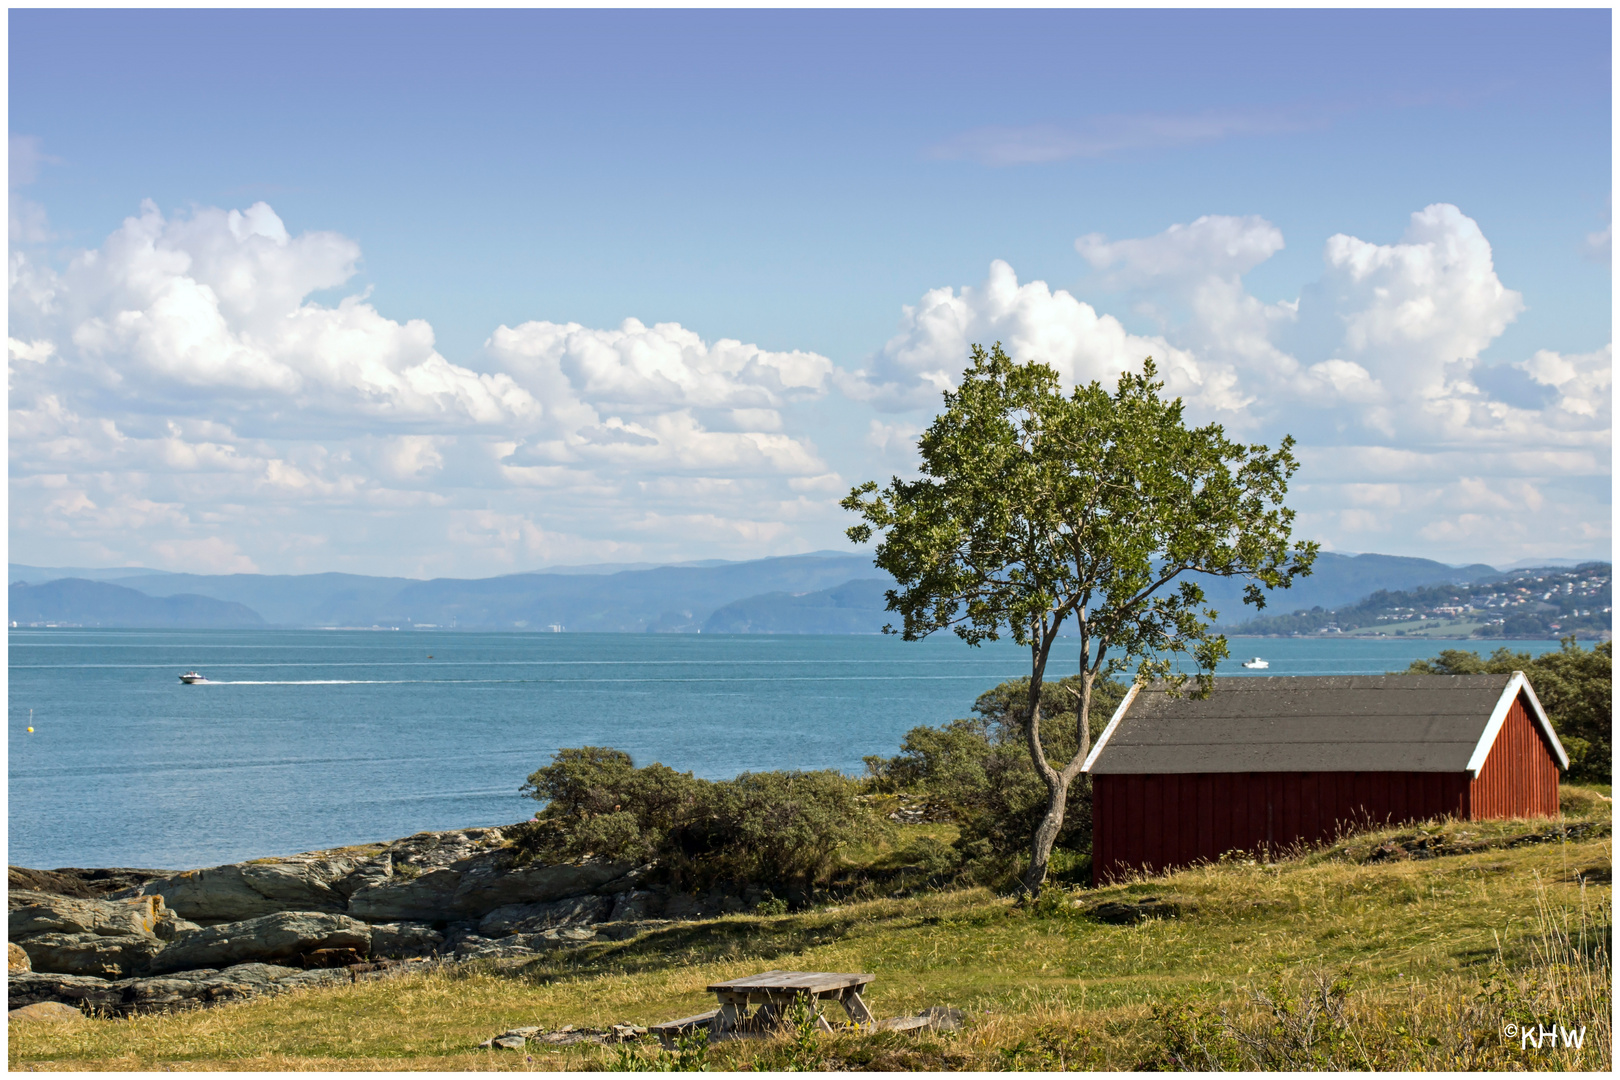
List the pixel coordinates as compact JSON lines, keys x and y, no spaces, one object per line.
{"x":1376,"y":368}
{"x":181,"y":382}
{"x":1032,"y":321}
{"x":198,"y":309}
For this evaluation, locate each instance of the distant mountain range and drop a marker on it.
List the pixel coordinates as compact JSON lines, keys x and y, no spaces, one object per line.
{"x":818,"y":593}
{"x":101,"y":603}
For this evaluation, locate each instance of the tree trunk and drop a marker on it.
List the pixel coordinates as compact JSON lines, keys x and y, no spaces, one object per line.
{"x":1058,"y":784}
{"x":1046,"y":834}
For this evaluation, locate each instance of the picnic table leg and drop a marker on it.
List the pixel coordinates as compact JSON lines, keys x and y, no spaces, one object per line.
{"x":856,"y":1008}
{"x":728,"y":1018}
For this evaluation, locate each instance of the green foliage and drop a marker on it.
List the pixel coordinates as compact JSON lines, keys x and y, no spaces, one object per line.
{"x":691,"y":1054}
{"x":778,"y":826}
{"x":1050,"y":903}
{"x":980,"y":771}
{"x":598,"y":803}
{"x":761,"y":827}
{"x":803,"y":1053}
{"x":1037,"y":510}
{"x":1574,"y":685}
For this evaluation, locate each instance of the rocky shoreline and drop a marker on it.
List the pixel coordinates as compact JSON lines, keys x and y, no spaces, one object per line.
{"x":125,"y":941}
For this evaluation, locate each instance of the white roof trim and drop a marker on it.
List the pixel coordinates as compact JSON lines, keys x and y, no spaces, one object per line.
{"x":1504,"y":705}
{"x":1119,"y":714}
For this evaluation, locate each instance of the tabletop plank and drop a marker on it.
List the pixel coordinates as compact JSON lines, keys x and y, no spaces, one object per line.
{"x":808,"y":982}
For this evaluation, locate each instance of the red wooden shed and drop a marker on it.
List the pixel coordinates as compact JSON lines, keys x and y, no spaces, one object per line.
{"x":1264,"y":763}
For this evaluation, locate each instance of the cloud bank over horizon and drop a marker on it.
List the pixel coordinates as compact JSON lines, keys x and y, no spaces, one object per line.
{"x":189,"y":395}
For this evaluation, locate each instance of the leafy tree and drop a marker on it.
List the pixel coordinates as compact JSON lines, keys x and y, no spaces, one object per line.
{"x":1037,"y":510}
{"x":1574,"y":685}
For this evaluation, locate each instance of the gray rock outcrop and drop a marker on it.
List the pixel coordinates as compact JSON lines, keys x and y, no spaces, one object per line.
{"x":107,"y":956}
{"x":44,"y":1011}
{"x":425,"y":897}
{"x":72,"y":881}
{"x":230,"y":932}
{"x":78,"y":936}
{"x":475,"y":947}
{"x":492,"y":882}
{"x":475,"y":886}
{"x":43,"y":913}
{"x":636,"y":905}
{"x":403,"y":940}
{"x":284,"y":935}
{"x":183,"y":989}
{"x":240,"y":891}
{"x":85,"y":991}
{"x":529,"y":918}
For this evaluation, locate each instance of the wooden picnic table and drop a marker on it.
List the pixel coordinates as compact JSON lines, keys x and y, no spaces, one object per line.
{"x":774,"y":992}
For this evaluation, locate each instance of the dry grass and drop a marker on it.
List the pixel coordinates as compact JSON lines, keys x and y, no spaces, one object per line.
{"x":1433,"y":955}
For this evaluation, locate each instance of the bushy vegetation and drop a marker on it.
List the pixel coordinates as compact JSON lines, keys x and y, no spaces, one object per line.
{"x":979,"y":772}
{"x":1574,"y":685}
{"x":775,"y":828}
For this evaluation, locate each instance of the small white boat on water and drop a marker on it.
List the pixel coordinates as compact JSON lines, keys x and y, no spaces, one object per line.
{"x":1256,"y":664}
{"x":191,"y":677}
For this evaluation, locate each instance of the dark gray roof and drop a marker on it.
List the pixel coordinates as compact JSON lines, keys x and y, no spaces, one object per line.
{"x":1339,"y":723}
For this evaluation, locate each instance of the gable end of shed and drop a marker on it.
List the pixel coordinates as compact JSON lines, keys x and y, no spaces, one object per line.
{"x":1518,"y":689}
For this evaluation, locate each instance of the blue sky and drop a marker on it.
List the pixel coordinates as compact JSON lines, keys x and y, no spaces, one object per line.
{"x":1385,"y":232}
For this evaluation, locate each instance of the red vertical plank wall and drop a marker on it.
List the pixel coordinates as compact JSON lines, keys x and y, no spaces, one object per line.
{"x":1151,"y":823}
{"x":1520,"y":775}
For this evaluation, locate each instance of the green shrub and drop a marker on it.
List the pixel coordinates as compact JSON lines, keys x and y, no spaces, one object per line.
{"x":765,"y":827}
{"x":776,"y":826}
{"x":981,"y":772}
{"x":599,"y":804}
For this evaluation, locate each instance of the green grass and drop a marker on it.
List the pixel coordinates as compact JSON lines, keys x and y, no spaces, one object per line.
{"x":1434,"y":952}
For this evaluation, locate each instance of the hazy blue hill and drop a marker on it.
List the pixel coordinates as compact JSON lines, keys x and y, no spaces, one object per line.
{"x":285,"y":599}
{"x":821,"y":592}
{"x":855,"y":607}
{"x":665,"y":599}
{"x":39,"y":575}
{"x":100,"y":603}
{"x":1340,"y":579}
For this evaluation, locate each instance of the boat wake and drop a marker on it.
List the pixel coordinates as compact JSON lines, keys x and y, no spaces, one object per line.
{"x":311,"y":682}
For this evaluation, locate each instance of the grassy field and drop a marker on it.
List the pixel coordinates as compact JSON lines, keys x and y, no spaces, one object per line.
{"x":1338,"y":958}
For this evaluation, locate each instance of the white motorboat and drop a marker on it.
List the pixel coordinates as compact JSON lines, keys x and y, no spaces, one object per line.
{"x":191,"y":677}
{"x":1256,"y":664}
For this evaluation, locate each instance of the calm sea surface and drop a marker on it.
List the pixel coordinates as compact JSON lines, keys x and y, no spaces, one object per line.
{"x":310,"y":739}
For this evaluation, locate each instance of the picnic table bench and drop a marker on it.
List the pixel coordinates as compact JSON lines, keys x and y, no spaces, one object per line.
{"x":774,"y":992}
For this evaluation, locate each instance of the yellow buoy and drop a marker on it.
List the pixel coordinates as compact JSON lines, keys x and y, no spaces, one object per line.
{"x":30,"y":731}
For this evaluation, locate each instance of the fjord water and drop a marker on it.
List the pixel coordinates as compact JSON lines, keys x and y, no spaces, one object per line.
{"x":310,"y":739}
